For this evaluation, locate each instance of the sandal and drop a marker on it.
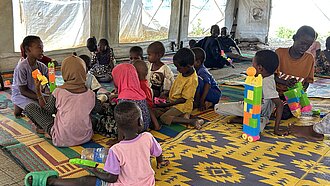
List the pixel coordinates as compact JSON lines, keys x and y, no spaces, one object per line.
{"x":39,"y":178}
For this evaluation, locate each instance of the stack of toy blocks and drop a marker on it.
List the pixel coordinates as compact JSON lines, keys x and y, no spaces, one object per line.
{"x":297,"y":100}
{"x":252,"y":105}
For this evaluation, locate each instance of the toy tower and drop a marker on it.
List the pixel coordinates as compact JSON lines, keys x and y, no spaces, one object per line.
{"x":252,"y":105}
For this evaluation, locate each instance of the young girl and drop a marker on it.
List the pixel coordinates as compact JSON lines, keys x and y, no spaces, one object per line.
{"x":160,"y":75}
{"x":135,"y":53}
{"x":322,"y":66}
{"x":72,"y":104}
{"x":23,"y":89}
{"x":105,"y":62}
{"x":127,"y":82}
{"x":128,"y":162}
{"x":142,"y":70}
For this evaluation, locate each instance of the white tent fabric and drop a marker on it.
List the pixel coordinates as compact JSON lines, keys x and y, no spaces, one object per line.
{"x":61,"y":24}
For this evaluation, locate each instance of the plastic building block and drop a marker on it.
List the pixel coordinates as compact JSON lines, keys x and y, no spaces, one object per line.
{"x":78,"y":161}
{"x":297,"y":100}
{"x":252,"y":105}
{"x":36,"y":74}
{"x":51,"y":75}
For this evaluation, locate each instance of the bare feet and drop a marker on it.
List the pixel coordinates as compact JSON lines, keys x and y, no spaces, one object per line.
{"x":197,"y":123}
{"x":47,"y":136}
{"x":306,"y":132}
{"x":238,"y":120}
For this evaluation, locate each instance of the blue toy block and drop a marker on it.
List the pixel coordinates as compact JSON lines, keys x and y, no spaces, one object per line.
{"x":293,"y":100}
{"x":251,"y":131}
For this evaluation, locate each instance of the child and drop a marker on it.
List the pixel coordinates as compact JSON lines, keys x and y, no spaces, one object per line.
{"x":91,"y":81}
{"x":265,"y":62}
{"x":160,"y":75}
{"x":128,"y":162}
{"x":142,"y":70}
{"x":208,"y":92}
{"x":126,"y":80}
{"x":182,"y":91}
{"x":192,"y":43}
{"x":313,"y":132}
{"x":295,"y":64}
{"x":135,"y":53}
{"x":322,"y":66}
{"x":72,"y":103}
{"x":23,"y":89}
{"x":105,"y":62}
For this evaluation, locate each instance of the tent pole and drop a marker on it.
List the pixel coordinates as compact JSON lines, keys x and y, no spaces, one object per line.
{"x":180,"y":25}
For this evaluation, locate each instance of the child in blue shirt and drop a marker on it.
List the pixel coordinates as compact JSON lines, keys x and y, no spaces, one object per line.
{"x":208,"y":92}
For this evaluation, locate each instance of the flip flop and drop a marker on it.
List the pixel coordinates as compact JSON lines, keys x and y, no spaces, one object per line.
{"x":39,"y":178}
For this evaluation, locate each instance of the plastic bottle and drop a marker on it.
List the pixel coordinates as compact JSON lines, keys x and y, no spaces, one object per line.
{"x":51,"y":76}
{"x":95,"y":154}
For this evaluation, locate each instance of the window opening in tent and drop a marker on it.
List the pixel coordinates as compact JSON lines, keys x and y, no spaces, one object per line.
{"x":203,"y":14}
{"x":60,"y":24}
{"x":144,"y":20}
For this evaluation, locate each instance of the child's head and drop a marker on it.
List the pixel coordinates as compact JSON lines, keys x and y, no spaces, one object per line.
{"x":265,"y":62}
{"x":136,"y":52}
{"x":87,"y":61}
{"x":141,"y":68}
{"x":33,"y":47}
{"x":192,"y":43}
{"x":184,"y":60}
{"x":125,"y":79}
{"x":103,"y":45}
{"x":224,"y":31}
{"x":199,"y":56}
{"x":327,"y":43}
{"x":128,"y":117}
{"x":155,"y":51}
{"x":215,"y":30}
{"x":303,"y":39}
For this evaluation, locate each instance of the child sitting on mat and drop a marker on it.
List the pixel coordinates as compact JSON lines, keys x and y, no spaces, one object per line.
{"x":71,"y":103}
{"x":265,"y":62}
{"x":160,"y":75}
{"x":182,"y":92}
{"x":142,"y":70}
{"x":23,"y":88}
{"x":295,"y":64}
{"x":208,"y":93}
{"x":127,"y":163}
{"x":135,"y":53}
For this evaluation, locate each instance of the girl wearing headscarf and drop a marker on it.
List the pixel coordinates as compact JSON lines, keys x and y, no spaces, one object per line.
{"x":126,"y":80}
{"x":71,"y":104}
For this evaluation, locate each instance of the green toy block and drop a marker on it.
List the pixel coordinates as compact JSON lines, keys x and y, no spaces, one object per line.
{"x":304,"y":101}
{"x":293,"y":93}
{"x":253,"y":123}
{"x":257,"y":96}
{"x":79,"y":161}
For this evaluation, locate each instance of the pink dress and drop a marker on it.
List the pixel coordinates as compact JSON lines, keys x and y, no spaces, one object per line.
{"x":72,"y":124}
{"x":130,"y":160}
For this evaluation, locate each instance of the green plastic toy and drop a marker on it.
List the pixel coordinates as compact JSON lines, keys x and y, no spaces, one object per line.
{"x":78,"y":161}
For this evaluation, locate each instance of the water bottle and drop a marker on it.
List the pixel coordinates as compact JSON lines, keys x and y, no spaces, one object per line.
{"x":95,"y":154}
{"x":51,"y":76}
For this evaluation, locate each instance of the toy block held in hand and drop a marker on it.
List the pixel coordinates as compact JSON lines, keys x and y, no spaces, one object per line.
{"x":36,"y":74}
{"x":252,"y":105}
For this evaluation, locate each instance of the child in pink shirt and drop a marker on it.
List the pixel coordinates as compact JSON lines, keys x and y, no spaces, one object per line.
{"x":128,"y":162}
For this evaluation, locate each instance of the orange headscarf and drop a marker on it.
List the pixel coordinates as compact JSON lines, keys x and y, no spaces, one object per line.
{"x":126,"y":79}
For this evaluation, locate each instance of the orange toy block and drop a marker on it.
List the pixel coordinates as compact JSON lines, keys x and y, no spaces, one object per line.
{"x":256,"y":109}
{"x":246,"y":118}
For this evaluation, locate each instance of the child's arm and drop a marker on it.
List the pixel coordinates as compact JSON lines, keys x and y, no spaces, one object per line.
{"x":105,"y":176}
{"x":203,"y":97}
{"x":164,"y":105}
{"x":306,"y":85}
{"x":289,"y":83}
{"x":279,"y":110}
{"x":161,"y":162}
{"x":25,"y":91}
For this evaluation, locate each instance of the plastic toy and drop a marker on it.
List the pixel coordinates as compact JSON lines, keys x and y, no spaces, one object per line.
{"x":158,"y":100}
{"x":297,"y":100}
{"x":51,"y":75}
{"x":230,"y":61}
{"x":78,"y":161}
{"x":36,"y":74}
{"x":252,"y":105}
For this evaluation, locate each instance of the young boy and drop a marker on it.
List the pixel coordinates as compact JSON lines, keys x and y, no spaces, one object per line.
{"x":295,"y":64}
{"x":142,"y":71}
{"x":160,"y":75}
{"x":265,"y":62}
{"x":135,"y":53}
{"x":208,"y":92}
{"x":182,"y":92}
{"x":127,"y":163}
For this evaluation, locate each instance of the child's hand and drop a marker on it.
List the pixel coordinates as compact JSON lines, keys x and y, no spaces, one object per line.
{"x":291,"y":82}
{"x":162,"y":164}
{"x":37,"y":85}
{"x":202,"y":106}
{"x":161,"y":105}
{"x":281,"y":132}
